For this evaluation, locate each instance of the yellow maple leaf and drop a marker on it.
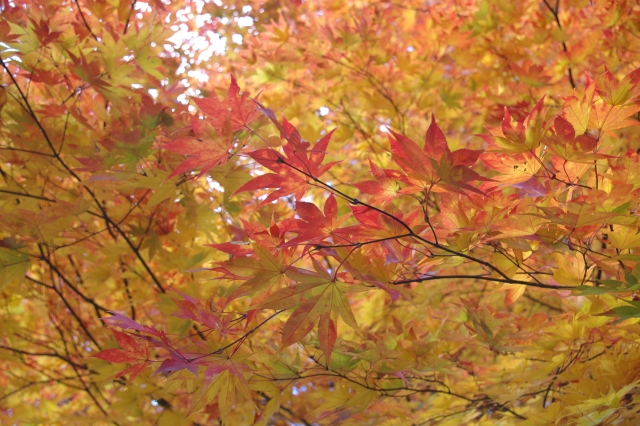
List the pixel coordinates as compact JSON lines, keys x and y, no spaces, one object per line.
{"x":571,"y":269}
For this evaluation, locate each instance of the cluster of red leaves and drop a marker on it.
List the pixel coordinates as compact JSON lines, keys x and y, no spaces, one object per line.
{"x":394,"y":239}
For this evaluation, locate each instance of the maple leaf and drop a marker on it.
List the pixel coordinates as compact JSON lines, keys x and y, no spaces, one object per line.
{"x":43,"y":31}
{"x":268,"y":411}
{"x":578,"y":111}
{"x":571,"y":269}
{"x":317,"y":297}
{"x":435,"y":164}
{"x":279,"y":31}
{"x":119,"y":320}
{"x":481,"y":325}
{"x":240,"y":110}
{"x":87,"y":71}
{"x":13,"y":265}
{"x":299,"y":167}
{"x":373,"y":271}
{"x":177,"y":363}
{"x":209,"y":148}
{"x":386,"y":185}
{"x":271,"y":238}
{"x":513,"y":292}
{"x":624,"y":238}
{"x":51,"y":78}
{"x":5,"y":33}
{"x":575,"y":215}
{"x":195,"y":310}
{"x":618,"y":93}
{"x":610,"y":117}
{"x":91,"y":164}
{"x":314,"y":226}
{"x":512,"y":168}
{"x":223,"y":378}
{"x":614,"y":201}
{"x":626,"y":169}
{"x":132,"y":352}
{"x":531,"y":74}
{"x":569,"y":171}
{"x":524,"y":137}
{"x":374,"y":225}
{"x":234,"y":248}
{"x":261,"y":274}
{"x":327,"y":334}
{"x":567,"y":146}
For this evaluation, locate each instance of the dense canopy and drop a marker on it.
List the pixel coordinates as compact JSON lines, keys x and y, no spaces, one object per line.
{"x":314,"y":212}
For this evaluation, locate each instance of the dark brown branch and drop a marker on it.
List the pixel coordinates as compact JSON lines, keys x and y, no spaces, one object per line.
{"x":55,"y":269}
{"x":241,"y":338}
{"x":28,"y":151}
{"x":554,"y":12}
{"x":359,"y":244}
{"x":482,"y":278}
{"x":539,"y":302}
{"x":68,"y":305}
{"x":20,"y":194}
{"x":126,"y":24}
{"x":84,"y":20}
{"x":132,"y":246}
{"x":20,"y":389}
{"x":44,"y":354}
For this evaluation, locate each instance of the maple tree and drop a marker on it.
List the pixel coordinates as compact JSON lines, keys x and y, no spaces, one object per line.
{"x":361,"y":213}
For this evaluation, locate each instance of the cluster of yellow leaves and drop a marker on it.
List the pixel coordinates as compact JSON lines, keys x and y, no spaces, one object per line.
{"x":323,"y":309}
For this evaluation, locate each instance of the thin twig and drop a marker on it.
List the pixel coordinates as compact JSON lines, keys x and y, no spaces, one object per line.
{"x":20,"y":194}
{"x":86,"y":24}
{"x":126,"y":24}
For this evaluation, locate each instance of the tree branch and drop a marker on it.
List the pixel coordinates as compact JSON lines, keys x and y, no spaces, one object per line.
{"x":20,"y":194}
{"x":84,"y":20}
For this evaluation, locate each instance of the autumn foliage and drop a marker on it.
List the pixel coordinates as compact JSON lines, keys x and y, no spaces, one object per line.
{"x":363,"y":213}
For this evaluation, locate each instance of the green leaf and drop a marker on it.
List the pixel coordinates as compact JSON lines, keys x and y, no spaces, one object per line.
{"x":340,"y":361}
{"x":608,"y":286}
{"x":622,"y":312}
{"x":13,"y":266}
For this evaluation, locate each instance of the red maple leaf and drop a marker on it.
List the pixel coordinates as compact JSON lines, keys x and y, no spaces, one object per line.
{"x":43,"y":31}
{"x":208,"y":148}
{"x":295,"y":170}
{"x":315,"y":226}
{"x":87,"y":71}
{"x":240,"y":109}
{"x":386,"y":185}
{"x":435,"y":164}
{"x":131,"y":351}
